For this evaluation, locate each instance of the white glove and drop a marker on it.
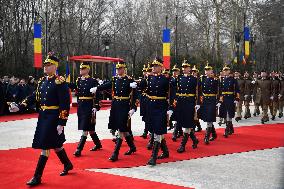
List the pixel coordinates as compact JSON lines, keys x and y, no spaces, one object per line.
{"x":133,"y":85}
{"x":246,"y":96}
{"x":218,"y":105}
{"x":14,"y":107}
{"x":197,"y":107}
{"x":93,"y":90}
{"x":131,"y":112}
{"x":252,"y":96}
{"x":236,"y":102}
{"x":101,"y":82}
{"x":94,"y":110}
{"x":170,"y":113}
{"x":253,"y":82}
{"x":279,"y":96}
{"x":60,"y":129}
{"x":271,"y":97}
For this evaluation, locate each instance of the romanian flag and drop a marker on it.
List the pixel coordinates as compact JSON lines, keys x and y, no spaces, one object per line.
{"x":246,"y":41}
{"x":37,"y":46}
{"x":167,"y":48}
{"x":67,"y":73}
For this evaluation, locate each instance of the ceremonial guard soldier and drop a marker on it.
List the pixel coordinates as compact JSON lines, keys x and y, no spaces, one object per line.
{"x":274,"y":96}
{"x":158,"y":109}
{"x":256,"y":110}
{"x":87,"y":108}
{"x":177,"y":128}
{"x":143,"y":102}
{"x":186,"y":94}
{"x":53,"y":96}
{"x":209,"y":87}
{"x":195,"y":73}
{"x":281,"y":95}
{"x":263,"y":94}
{"x":241,"y":84}
{"x":248,"y":91}
{"x":123,"y":105}
{"x":229,"y":96}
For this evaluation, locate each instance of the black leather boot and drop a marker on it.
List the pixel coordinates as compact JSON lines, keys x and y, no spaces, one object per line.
{"x":194,"y":139}
{"x":155,"y":152}
{"x":181,"y":149}
{"x":175,"y":133}
{"x":114,"y":156}
{"x":231,"y":128}
{"x":151,"y":141}
{"x":207,"y":135}
{"x":131,"y":145}
{"x":80,"y":146}
{"x":96,"y":141}
{"x":198,"y":126}
{"x":227,"y":130}
{"x":145,"y":133}
{"x":165,"y":150}
{"x":36,"y":180}
{"x":214,"y":134}
{"x":65,"y":161}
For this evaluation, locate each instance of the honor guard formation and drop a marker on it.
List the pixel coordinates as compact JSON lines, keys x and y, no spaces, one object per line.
{"x":175,"y":99}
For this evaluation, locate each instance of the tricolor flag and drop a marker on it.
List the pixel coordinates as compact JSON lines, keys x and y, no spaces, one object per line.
{"x":67,"y":73}
{"x":246,"y":41}
{"x":37,"y":46}
{"x":167,"y":48}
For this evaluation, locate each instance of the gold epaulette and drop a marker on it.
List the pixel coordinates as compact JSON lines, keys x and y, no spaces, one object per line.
{"x":59,"y":80}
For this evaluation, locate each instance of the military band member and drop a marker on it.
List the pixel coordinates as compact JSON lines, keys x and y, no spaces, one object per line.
{"x":186,"y":95}
{"x":52,"y":94}
{"x":281,"y":95}
{"x":229,"y":96}
{"x":123,"y":106}
{"x":87,"y":108}
{"x":209,"y":87}
{"x":241,"y":84}
{"x":248,"y":91}
{"x":195,"y":73}
{"x":158,"y":111}
{"x":274,"y":96}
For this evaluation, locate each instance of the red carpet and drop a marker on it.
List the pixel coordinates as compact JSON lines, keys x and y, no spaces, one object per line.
{"x":15,"y":117}
{"x":19,"y":164}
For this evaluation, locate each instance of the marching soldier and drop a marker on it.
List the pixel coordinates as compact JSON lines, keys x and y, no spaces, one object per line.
{"x":177,"y":128}
{"x":274,"y":96}
{"x":195,"y":72}
{"x":263,"y":95}
{"x":256,"y":110}
{"x":186,"y":95}
{"x":247,"y":94}
{"x":221,"y":77}
{"x":157,"y":89}
{"x":281,"y":95}
{"x":209,"y":87}
{"x":229,"y":96}
{"x":123,"y":106}
{"x":53,"y":96}
{"x":87,"y":108}
{"x":143,"y":102}
{"x":241,"y":84}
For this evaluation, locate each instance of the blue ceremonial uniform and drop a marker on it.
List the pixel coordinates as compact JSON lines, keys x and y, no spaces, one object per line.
{"x":53,"y":96}
{"x":185,"y":96}
{"x":123,"y":99}
{"x":157,"y":90}
{"x":229,"y":92}
{"x":143,"y":99}
{"x":86,"y":102}
{"x":209,"y":93}
{"x":174,"y":116}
